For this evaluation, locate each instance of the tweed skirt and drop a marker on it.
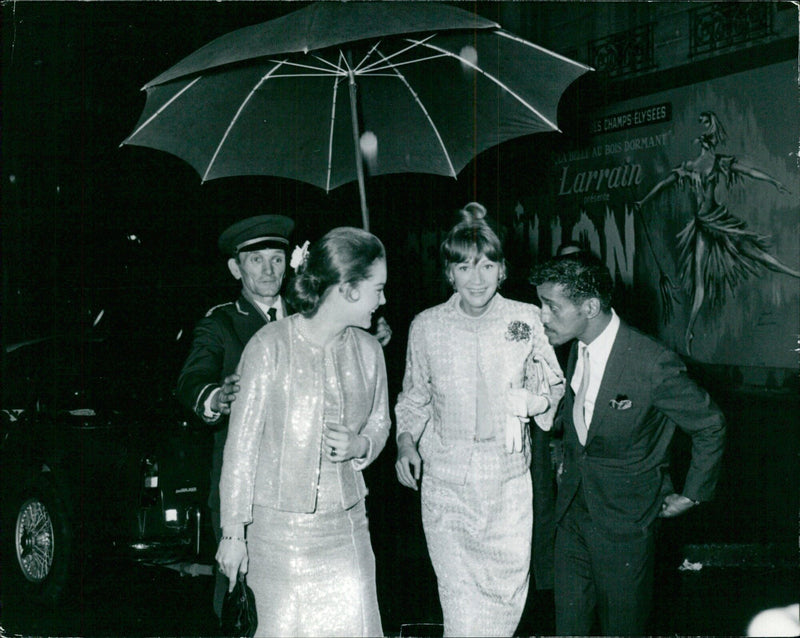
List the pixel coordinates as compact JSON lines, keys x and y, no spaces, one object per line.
{"x":479,"y":540}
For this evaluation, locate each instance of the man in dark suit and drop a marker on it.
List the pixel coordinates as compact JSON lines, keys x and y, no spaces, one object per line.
{"x":626,"y":394}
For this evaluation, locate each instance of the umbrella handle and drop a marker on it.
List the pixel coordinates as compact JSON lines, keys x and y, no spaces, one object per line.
{"x":359,"y":162}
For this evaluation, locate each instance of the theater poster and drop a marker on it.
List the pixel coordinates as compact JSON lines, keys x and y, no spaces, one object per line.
{"x":692,"y":197}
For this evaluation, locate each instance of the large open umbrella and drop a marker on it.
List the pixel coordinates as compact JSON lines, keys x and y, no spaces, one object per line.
{"x":410,"y":87}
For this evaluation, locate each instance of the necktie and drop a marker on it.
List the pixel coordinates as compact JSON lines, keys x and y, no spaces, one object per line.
{"x":580,"y":398}
{"x":272,"y":313}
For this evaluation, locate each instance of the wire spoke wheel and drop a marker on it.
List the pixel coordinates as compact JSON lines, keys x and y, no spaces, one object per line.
{"x":34,"y":540}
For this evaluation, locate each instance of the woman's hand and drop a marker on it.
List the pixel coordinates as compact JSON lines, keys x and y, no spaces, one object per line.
{"x":342,"y":444}
{"x":232,"y":557}
{"x":409,"y":462}
{"x":521,"y":404}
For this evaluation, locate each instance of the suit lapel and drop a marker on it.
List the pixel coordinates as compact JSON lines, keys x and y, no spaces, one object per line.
{"x":615,"y":366}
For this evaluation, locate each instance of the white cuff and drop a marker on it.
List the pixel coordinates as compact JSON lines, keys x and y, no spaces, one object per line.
{"x":208,"y":413}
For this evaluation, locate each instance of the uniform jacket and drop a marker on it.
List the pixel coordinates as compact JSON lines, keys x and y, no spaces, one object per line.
{"x":437,"y":405}
{"x":217,"y":345}
{"x":272,"y":453}
{"x":624,"y":467}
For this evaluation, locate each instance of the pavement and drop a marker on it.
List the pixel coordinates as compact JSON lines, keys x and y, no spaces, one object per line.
{"x":136,"y":600}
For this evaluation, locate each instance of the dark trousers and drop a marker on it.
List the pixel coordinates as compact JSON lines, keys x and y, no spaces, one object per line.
{"x":597,"y":573}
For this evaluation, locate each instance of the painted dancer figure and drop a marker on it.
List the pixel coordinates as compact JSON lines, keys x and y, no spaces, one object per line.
{"x":717,"y":250}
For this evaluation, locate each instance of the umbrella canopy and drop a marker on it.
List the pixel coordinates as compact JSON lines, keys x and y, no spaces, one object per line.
{"x":431,"y":86}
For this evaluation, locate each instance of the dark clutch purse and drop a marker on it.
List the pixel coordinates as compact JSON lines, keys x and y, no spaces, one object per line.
{"x":239,"y":616}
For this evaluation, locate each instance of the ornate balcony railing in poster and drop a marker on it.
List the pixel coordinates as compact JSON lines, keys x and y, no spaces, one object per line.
{"x":692,"y":196}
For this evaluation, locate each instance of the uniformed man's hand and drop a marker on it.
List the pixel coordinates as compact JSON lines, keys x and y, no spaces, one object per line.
{"x":383,"y":333}
{"x":222,"y":400}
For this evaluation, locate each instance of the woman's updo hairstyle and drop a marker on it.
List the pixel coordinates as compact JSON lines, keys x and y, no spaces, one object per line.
{"x":342,"y":256}
{"x":471,"y":238}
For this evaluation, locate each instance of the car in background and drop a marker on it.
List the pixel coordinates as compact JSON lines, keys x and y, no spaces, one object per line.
{"x":98,"y":460}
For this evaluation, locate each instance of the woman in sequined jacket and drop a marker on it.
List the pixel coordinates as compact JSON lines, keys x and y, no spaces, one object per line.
{"x":312,"y":413}
{"x":478,"y":368}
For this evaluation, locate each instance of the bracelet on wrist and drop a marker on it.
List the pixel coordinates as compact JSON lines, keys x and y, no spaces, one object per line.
{"x":234,"y":538}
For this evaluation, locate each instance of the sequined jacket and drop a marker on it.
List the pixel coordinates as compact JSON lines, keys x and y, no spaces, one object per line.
{"x":437,"y":405}
{"x":272,"y":453}
{"x":217,"y":345}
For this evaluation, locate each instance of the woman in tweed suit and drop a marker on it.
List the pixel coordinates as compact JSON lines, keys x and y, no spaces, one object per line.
{"x":477,"y":368}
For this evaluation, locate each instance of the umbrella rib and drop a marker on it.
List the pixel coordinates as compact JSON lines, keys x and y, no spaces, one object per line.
{"x":334,"y":70}
{"x":330,"y":136}
{"x":163,"y":108}
{"x":373,"y":68}
{"x":511,"y":36}
{"x":492,"y":78}
{"x":384,"y":58}
{"x":425,"y":112}
{"x":357,"y":69}
{"x":236,"y":117}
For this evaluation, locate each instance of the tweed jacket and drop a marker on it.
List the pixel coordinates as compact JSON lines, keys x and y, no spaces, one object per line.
{"x":272,"y":453}
{"x":624,"y":466}
{"x":437,"y":405}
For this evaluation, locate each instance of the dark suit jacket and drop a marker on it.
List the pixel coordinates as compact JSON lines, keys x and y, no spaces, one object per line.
{"x":624,"y":467}
{"x":217,"y":345}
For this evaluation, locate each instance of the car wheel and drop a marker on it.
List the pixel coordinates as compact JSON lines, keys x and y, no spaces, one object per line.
{"x":42,"y":544}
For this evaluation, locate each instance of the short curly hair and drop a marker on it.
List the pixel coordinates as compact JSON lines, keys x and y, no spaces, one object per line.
{"x":582,"y":276}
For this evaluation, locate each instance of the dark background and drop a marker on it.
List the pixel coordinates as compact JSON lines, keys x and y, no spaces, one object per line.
{"x":89,"y":226}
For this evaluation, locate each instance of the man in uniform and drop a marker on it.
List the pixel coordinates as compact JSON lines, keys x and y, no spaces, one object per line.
{"x":256,"y":250}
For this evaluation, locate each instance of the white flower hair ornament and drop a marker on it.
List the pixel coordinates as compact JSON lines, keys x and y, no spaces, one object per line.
{"x":299,"y":256}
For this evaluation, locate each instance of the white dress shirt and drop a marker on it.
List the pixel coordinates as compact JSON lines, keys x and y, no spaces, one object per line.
{"x":264,"y":308}
{"x":599,"y":351}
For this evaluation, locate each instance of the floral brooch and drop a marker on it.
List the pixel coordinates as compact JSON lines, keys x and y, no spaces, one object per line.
{"x":518,"y":331}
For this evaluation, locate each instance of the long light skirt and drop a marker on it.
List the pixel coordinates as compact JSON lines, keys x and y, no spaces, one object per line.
{"x":479,"y":540}
{"x":313,"y":574}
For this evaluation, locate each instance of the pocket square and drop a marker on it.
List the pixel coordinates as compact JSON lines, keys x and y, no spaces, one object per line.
{"x":621,"y":402}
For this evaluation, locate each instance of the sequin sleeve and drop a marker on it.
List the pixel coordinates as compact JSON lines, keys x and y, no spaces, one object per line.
{"x":248,"y":411}
{"x":376,"y":430}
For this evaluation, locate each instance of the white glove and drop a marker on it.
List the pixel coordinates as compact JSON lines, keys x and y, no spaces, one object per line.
{"x":516,"y":406}
{"x":537,"y":404}
{"x":524,"y":403}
